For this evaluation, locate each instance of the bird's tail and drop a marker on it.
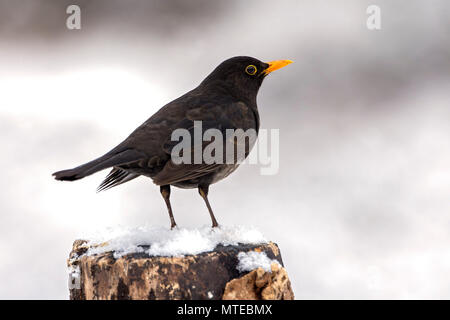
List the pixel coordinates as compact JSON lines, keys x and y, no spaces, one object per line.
{"x":76,"y":173}
{"x":106,"y":161}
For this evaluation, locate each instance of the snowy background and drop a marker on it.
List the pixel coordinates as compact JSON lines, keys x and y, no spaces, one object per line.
{"x":361,"y":205}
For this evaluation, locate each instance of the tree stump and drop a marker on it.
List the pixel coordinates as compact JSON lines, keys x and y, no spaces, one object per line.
{"x":209,"y":275}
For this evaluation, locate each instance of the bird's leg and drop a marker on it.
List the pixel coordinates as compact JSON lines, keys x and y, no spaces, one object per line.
{"x":203,"y":190}
{"x":165,"y":192}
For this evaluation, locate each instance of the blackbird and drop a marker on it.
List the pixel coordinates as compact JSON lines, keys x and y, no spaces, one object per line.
{"x":225,"y":99}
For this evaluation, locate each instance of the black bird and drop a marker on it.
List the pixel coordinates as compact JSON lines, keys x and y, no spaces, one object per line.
{"x":226,"y":99}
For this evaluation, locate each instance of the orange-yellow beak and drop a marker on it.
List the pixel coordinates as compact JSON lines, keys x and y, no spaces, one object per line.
{"x":275,"y":65}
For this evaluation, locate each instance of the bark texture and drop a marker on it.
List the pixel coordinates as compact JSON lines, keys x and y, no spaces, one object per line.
{"x":260,"y":285}
{"x":209,"y":275}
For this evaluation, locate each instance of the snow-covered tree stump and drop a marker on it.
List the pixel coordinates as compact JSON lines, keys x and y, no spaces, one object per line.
{"x":238,"y":271}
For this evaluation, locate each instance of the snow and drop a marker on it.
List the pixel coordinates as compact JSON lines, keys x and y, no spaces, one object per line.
{"x":74,"y":271}
{"x":158,"y":241}
{"x":252,"y":260}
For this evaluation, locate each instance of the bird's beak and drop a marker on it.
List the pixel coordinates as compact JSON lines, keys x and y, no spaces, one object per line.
{"x":275,"y":65}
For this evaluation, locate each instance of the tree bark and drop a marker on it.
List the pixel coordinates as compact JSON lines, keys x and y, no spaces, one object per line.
{"x":209,"y":275}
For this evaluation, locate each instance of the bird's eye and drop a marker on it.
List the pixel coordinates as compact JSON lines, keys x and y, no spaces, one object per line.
{"x":251,"y":70}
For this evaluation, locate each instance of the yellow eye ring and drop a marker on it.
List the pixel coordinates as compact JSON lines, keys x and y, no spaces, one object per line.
{"x":251,"y":70}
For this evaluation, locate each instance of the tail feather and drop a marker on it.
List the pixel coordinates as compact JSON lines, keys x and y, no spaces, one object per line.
{"x":116,"y":177}
{"x":68,"y":175}
{"x":106,"y":161}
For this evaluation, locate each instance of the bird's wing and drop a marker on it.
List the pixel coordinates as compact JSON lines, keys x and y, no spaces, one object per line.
{"x":211,"y":117}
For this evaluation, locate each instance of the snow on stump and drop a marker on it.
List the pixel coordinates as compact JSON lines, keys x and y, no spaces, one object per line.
{"x":151,"y":263}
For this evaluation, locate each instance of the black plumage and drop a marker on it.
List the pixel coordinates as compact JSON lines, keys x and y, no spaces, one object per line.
{"x":225,"y":99}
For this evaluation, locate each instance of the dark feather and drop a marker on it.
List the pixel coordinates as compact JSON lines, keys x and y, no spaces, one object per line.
{"x":116,"y":177}
{"x":108,"y":160}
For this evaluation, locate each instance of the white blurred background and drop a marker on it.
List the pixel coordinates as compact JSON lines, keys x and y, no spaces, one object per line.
{"x":361,"y":205}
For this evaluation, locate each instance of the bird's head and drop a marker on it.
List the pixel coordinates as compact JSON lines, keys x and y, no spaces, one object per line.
{"x":243,"y":75}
